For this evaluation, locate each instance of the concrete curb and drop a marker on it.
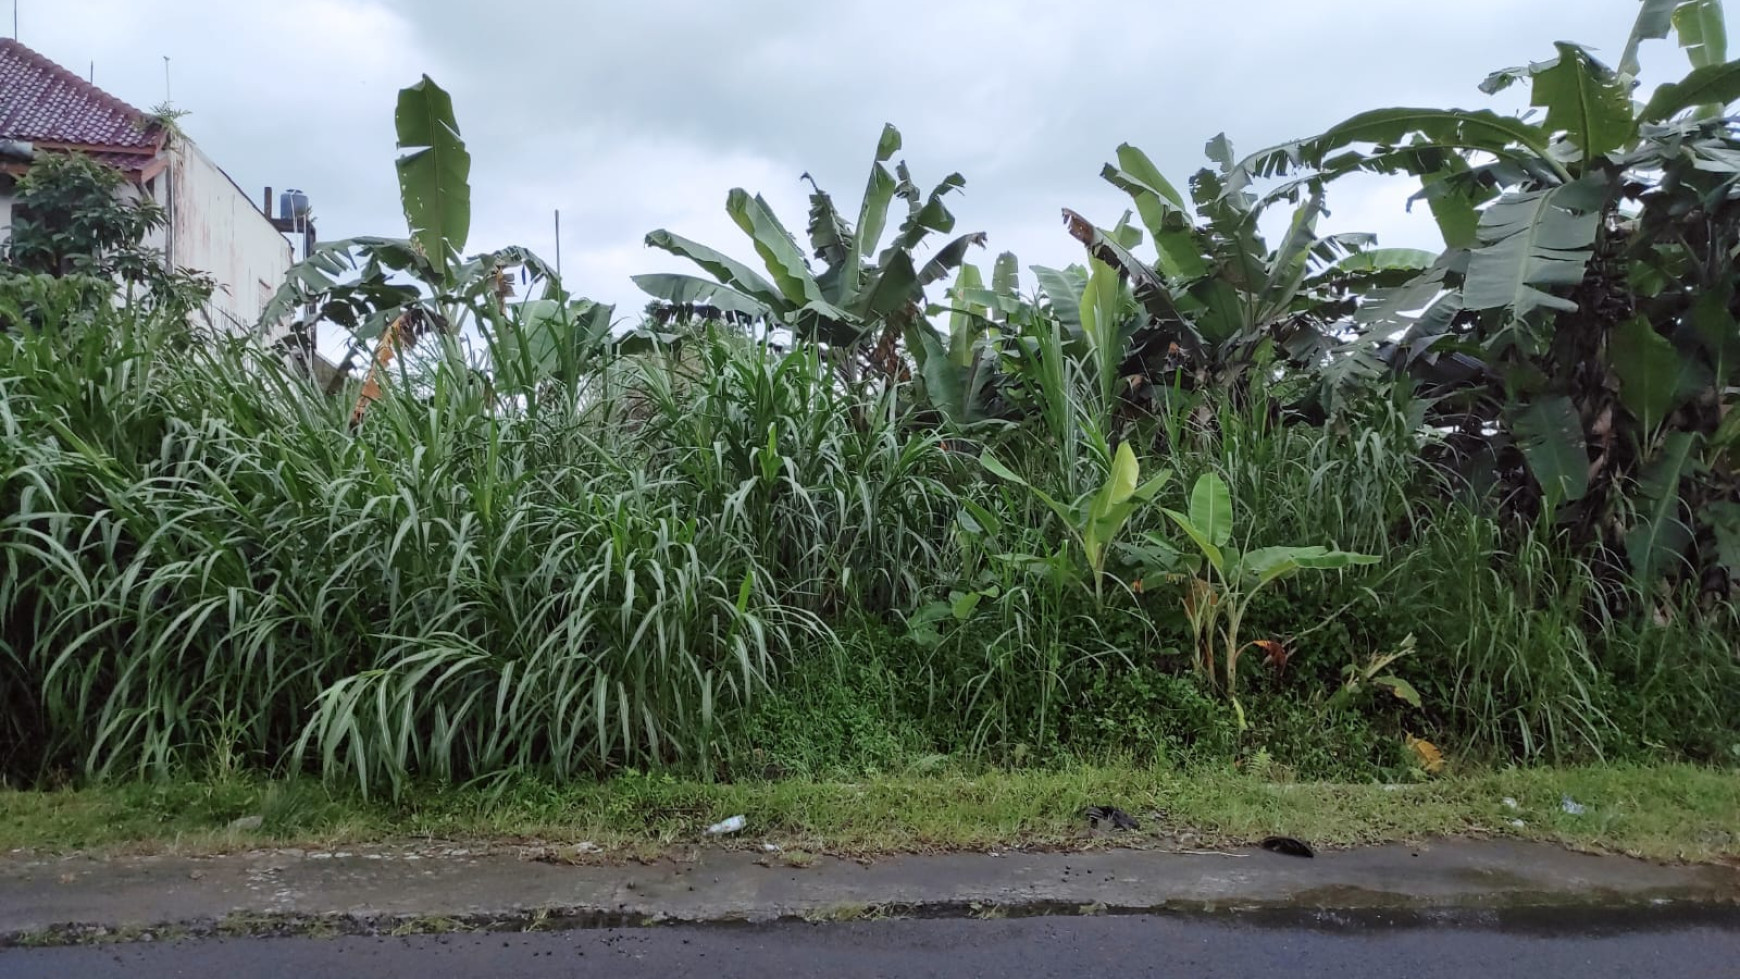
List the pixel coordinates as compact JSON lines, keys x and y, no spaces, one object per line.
{"x":428,"y":888}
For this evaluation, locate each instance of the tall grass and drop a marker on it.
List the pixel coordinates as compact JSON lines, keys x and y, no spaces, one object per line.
{"x":206,"y":567}
{"x":1530,"y":658}
{"x":1512,"y":627}
{"x":845,"y":500}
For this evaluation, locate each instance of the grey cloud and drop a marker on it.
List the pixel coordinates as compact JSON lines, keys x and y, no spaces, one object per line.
{"x":630,"y":116}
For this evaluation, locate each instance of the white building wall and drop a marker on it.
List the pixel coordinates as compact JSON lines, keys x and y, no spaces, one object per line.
{"x":157,"y":188}
{"x":219,"y":230}
{"x":5,"y":208}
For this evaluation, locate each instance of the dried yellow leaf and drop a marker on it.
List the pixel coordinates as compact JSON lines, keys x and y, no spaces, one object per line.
{"x":1431,"y":759}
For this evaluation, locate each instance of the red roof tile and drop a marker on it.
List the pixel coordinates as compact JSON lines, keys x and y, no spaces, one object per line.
{"x":44,"y":103}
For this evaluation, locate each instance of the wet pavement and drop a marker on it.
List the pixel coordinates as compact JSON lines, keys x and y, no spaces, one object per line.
{"x":1577,"y":944}
{"x":380,"y":890}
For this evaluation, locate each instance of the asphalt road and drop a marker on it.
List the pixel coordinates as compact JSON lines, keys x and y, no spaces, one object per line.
{"x":1572,"y":945}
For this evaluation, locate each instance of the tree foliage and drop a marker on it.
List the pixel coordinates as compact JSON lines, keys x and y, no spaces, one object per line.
{"x":74,"y":220}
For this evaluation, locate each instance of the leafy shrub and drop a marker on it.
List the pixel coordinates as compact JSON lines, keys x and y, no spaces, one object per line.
{"x":858,"y":714}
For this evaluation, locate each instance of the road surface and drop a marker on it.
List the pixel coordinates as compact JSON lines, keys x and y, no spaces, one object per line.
{"x":1575,"y":945}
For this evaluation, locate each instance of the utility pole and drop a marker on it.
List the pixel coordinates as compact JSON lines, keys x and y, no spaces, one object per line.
{"x":168,"y":96}
{"x":14,"y":20}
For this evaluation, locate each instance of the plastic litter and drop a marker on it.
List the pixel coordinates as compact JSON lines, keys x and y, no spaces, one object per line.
{"x":731,"y":825}
{"x":1510,"y":803}
{"x":1519,"y":824}
{"x":1572,"y":806}
{"x":770,"y":847}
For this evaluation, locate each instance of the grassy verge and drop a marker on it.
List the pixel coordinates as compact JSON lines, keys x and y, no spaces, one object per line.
{"x":1668,"y":812}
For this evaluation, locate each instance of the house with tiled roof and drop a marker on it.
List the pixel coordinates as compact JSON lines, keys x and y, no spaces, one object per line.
{"x":212,"y":225}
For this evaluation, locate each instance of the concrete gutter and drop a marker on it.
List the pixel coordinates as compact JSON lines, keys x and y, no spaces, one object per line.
{"x":449,"y":888}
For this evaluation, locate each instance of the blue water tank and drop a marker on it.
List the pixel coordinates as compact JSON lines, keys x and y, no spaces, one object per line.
{"x":292,"y":204}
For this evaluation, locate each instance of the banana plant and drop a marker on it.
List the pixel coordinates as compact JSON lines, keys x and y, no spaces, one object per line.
{"x":1219,"y":301}
{"x":424,"y":283}
{"x":997,"y":355}
{"x":958,"y":370}
{"x":1373,"y":674}
{"x":1218,"y":597}
{"x":860,"y":296}
{"x":1095,"y":519}
{"x":1582,"y":325}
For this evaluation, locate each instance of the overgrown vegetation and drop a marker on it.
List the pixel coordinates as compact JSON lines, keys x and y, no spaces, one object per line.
{"x":830,"y":523}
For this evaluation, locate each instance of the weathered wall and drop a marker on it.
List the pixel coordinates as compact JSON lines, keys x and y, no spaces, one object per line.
{"x":219,"y":230}
{"x":6,"y":182}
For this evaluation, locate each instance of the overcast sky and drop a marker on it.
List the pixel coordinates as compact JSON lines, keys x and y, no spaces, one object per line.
{"x":640,"y":114}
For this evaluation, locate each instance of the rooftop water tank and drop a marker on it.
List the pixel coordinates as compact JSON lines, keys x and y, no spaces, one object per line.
{"x":293,"y":205}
